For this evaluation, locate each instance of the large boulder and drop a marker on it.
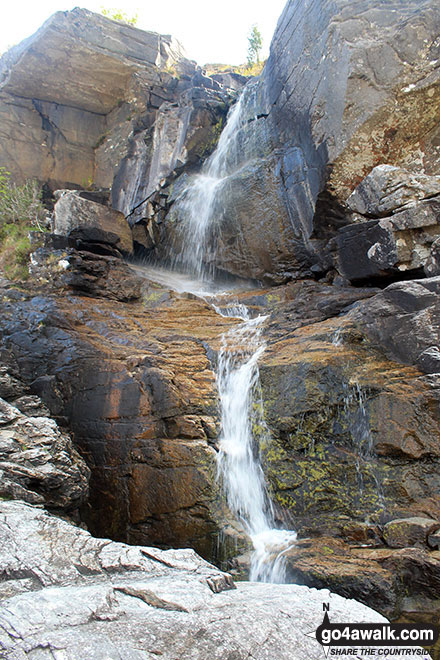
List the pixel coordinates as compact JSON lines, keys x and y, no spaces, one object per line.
{"x":404,"y":321}
{"x":126,"y":110}
{"x":60,"y":119}
{"x":63,"y":591}
{"x":89,"y":223}
{"x":395,"y":222}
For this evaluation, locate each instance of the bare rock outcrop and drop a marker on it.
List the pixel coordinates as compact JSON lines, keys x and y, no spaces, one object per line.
{"x":64,"y":592}
{"x":94,"y":102}
{"x":347,"y":87}
{"x":38,"y":462}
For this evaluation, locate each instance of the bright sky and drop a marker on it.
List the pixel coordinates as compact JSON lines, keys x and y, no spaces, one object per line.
{"x":209,"y":31}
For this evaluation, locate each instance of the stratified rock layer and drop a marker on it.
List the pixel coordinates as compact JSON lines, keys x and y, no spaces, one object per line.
{"x":64,"y":592}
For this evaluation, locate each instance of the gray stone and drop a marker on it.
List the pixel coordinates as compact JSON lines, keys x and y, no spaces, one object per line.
{"x":10,"y":386}
{"x":432,"y":265}
{"x":402,"y":241}
{"x":89,"y":222}
{"x":407,"y":532}
{"x":65,"y":592}
{"x":434,"y":540}
{"x":387,"y":188}
{"x":404,"y":320}
{"x":98,"y":56}
{"x":346,"y":87}
{"x":38,"y":463}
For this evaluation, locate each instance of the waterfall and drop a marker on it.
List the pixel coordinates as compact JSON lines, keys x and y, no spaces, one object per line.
{"x":238,"y":461}
{"x":360,"y":432}
{"x":239,"y":466}
{"x":195,"y":206}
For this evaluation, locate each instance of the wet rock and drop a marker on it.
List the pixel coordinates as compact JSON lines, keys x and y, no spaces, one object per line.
{"x":353,"y":435}
{"x":382,"y":577}
{"x":408,"y":532}
{"x":88,"y":222}
{"x":343,"y":91}
{"x":133,"y":382}
{"x":38,"y":462}
{"x":75,"y":592}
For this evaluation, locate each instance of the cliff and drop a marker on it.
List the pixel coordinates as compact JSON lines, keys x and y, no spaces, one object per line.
{"x":322,"y":224}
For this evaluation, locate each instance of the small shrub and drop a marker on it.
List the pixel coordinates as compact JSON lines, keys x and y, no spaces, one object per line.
{"x":120,"y":16}
{"x":15,"y":248}
{"x":20,"y":204}
{"x":21,"y":211}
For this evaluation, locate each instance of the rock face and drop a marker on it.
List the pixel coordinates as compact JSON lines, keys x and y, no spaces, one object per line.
{"x":346,"y":88}
{"x":401,"y":238}
{"x":98,"y":123}
{"x":135,"y":385}
{"x":38,"y":463}
{"x":353,"y":435}
{"x":84,"y":595}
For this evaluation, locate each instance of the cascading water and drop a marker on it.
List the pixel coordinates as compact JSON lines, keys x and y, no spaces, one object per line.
{"x":238,"y":462}
{"x":237,"y":376}
{"x":195,"y":207}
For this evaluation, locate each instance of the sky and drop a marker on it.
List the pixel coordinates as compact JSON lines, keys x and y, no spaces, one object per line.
{"x":209,"y":31}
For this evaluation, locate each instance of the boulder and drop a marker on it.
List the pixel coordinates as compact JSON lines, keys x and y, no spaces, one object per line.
{"x":408,"y":532}
{"x":387,"y":188}
{"x":65,"y":592}
{"x":110,"y":69}
{"x":90,"y":224}
{"x":398,"y":228}
{"x":38,"y":463}
{"x":404,"y":321}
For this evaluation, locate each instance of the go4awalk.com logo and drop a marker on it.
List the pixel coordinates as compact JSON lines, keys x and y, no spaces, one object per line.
{"x":377,"y":640}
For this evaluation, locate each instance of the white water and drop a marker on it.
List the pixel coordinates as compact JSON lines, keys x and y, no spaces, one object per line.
{"x":196,"y":204}
{"x":239,"y":465}
{"x":238,"y":460}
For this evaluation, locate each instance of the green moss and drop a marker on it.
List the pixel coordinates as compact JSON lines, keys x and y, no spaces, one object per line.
{"x":213,"y":138}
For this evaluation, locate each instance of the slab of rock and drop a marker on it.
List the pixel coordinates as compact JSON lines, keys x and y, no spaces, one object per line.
{"x":407,"y":532}
{"x":65,"y":592}
{"x":38,"y":463}
{"x":88,"y":222}
{"x":404,"y":320}
{"x":387,"y":188}
{"x":97,"y":57}
{"x":395,"y":216}
{"x":396,"y":582}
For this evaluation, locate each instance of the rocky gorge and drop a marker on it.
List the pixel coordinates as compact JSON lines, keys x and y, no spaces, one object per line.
{"x":322,"y":223}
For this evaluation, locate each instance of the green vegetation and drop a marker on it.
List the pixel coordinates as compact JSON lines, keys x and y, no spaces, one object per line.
{"x":255,"y":43}
{"x":21,"y":211}
{"x":243,"y":69}
{"x":119,"y":15}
